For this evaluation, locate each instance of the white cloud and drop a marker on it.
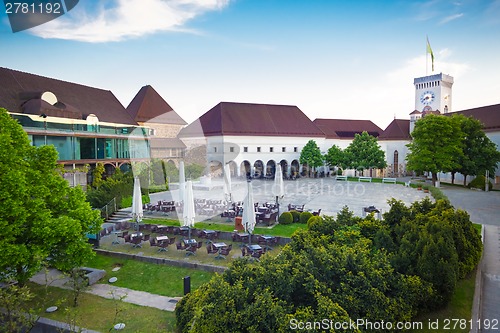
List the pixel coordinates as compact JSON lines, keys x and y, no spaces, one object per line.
{"x":451,"y":18}
{"x":124,"y":19}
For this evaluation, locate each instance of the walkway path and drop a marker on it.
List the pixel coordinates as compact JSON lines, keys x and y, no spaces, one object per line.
{"x":57,"y":279}
{"x":484,"y":208}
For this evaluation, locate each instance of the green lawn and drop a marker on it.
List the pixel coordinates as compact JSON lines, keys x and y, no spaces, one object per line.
{"x":99,"y":314}
{"x":460,"y":307}
{"x":163,"y":280}
{"x":221,"y":225}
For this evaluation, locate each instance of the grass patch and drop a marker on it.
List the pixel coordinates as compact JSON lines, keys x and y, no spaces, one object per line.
{"x":97,"y":313}
{"x":460,"y":307}
{"x":220,"y":224}
{"x":156,"y":279}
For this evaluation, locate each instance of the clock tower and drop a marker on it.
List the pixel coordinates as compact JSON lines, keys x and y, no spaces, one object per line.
{"x":433,"y":93}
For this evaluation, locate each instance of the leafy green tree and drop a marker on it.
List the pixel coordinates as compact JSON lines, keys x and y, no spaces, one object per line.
{"x":194,"y":171}
{"x":118,"y":186}
{"x":311,"y":155}
{"x":479,"y":152}
{"x":436,"y":146}
{"x":335,"y":156}
{"x":17,"y":314}
{"x":364,"y":152}
{"x":97,"y":175}
{"x":42,"y":218}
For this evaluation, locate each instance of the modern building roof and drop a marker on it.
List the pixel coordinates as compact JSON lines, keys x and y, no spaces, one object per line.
{"x":149,"y":106}
{"x":346,"y":128}
{"x":26,"y":93}
{"x":227,"y":118}
{"x":488,"y":115}
{"x":398,"y":129}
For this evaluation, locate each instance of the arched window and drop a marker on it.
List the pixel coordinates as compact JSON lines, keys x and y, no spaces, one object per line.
{"x":396,"y":161}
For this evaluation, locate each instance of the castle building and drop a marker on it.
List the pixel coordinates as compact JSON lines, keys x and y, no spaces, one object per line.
{"x":89,"y":125}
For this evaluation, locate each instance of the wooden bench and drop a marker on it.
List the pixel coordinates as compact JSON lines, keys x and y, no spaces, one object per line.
{"x":389,"y":180}
{"x":341,"y":178}
{"x":365,"y":179}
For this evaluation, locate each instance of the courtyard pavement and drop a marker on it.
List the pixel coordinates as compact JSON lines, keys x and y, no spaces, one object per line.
{"x":326,"y":194}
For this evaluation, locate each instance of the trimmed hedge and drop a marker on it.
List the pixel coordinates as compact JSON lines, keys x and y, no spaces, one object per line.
{"x":479,"y":182}
{"x":305,"y":216}
{"x":295,"y":215}
{"x":286,"y":218}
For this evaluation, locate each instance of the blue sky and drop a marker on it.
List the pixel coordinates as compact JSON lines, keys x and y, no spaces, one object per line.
{"x":333,"y":59}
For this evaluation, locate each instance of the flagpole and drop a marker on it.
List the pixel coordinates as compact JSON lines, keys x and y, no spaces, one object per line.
{"x":426,"y":57}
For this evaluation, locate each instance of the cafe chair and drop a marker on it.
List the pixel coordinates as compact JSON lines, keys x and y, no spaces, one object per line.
{"x":180,"y":246}
{"x":211,"y":249}
{"x":163,"y":246}
{"x":127,"y":238}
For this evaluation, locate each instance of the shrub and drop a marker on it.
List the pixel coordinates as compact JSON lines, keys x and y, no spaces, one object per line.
{"x":479,"y":182}
{"x":305,"y":216}
{"x":286,"y":218}
{"x":127,"y":201}
{"x":295,"y":215}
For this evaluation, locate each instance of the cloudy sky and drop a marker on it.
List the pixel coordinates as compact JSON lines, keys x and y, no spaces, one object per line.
{"x":333,"y":59}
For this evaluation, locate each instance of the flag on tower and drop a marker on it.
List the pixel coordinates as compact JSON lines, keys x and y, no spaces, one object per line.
{"x":429,"y":50}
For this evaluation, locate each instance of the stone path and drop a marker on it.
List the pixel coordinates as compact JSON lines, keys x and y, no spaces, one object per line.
{"x":56,"y":279}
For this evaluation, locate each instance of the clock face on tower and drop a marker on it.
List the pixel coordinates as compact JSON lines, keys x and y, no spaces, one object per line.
{"x":427,"y":97}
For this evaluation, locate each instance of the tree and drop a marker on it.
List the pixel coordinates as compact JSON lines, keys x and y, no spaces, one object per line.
{"x":311,"y":155}
{"x":364,"y":152}
{"x":335,"y":156}
{"x":42,"y":218}
{"x":436,"y":146}
{"x":97,"y":173}
{"x":479,"y":152}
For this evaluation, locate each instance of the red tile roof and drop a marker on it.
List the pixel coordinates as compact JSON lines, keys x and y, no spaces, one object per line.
{"x":346,"y":128}
{"x":149,"y":106}
{"x":21,"y":92}
{"x":488,"y":115}
{"x":240,"y":119}
{"x":398,"y":129}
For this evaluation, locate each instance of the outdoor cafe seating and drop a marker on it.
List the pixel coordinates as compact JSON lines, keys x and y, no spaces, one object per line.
{"x":136,"y":239}
{"x":225,"y":251}
{"x":298,"y":208}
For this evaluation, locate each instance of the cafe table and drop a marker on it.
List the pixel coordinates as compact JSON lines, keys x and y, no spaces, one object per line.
{"x":115,"y":236}
{"x":254,"y":247}
{"x":268,"y":239}
{"x":191,"y":241}
{"x":219,"y":247}
{"x":160,"y":240}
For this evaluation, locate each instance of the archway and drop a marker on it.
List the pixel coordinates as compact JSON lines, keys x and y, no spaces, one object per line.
{"x":270,"y":169}
{"x":284,"y":168}
{"x":215,"y":168}
{"x":295,"y":167}
{"x":396,"y":162}
{"x":233,"y":168}
{"x":258,"y":167}
{"x":246,"y":169}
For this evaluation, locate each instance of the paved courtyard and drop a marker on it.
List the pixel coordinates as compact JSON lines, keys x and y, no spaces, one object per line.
{"x":326,"y":194}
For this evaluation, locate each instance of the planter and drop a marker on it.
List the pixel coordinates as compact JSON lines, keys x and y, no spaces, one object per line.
{"x":419,"y":188}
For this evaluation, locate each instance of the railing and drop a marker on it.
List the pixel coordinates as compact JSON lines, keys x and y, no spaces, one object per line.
{"x":109,"y":209}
